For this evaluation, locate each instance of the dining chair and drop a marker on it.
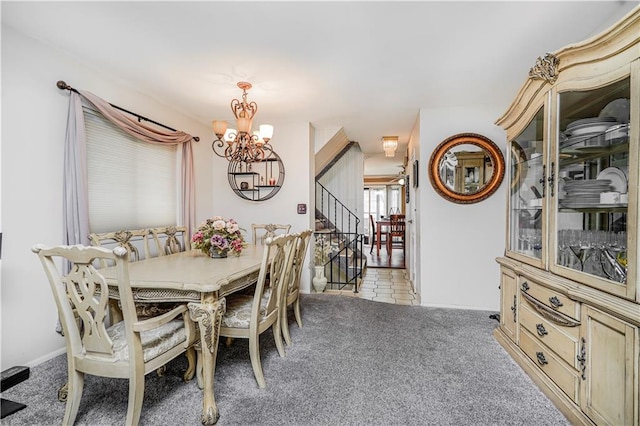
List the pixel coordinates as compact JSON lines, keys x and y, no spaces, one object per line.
{"x":374,"y":238}
{"x":262,"y":232}
{"x":292,"y":289}
{"x":247,"y":317}
{"x":396,"y":237}
{"x":131,"y":240}
{"x":128,"y":349}
{"x":170,"y":239}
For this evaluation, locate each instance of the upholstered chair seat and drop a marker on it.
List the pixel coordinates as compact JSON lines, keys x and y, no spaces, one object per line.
{"x":154,"y":342}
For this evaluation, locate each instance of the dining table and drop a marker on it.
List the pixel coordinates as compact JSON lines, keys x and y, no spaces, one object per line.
{"x":194,"y":278}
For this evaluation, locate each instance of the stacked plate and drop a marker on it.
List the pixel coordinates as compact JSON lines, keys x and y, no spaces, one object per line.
{"x":587,"y":131}
{"x":584,"y":193}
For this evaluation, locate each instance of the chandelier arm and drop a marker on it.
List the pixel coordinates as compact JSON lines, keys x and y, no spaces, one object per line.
{"x":218,"y":145}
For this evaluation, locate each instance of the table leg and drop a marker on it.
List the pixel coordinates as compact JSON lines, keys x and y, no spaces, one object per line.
{"x":378,"y":236}
{"x":208,"y":315}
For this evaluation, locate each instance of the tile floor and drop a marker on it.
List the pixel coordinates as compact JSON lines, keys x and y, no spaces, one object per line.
{"x":384,"y":285}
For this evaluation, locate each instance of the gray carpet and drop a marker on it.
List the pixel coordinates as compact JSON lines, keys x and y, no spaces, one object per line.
{"x":355,"y":362}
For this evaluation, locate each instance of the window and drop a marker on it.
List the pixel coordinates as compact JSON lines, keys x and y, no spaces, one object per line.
{"x":131,"y":184}
{"x":379,"y":201}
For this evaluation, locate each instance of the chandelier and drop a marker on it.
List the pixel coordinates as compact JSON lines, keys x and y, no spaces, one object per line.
{"x":389,"y":144}
{"x":242,"y":145}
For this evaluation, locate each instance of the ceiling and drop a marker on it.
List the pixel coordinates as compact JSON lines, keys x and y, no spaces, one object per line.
{"x":368,"y":67}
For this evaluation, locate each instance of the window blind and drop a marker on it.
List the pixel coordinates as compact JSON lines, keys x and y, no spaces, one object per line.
{"x":132,"y":184}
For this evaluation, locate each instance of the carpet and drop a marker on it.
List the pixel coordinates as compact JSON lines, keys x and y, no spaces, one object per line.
{"x":354,"y":362}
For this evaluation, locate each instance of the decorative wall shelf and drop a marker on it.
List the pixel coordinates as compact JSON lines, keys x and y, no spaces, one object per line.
{"x":257,"y":181}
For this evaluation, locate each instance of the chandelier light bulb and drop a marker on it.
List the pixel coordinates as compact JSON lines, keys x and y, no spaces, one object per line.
{"x":230,"y":135}
{"x":219,"y":128}
{"x":266,"y":132}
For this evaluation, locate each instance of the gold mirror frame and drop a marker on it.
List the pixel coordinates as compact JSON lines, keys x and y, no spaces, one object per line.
{"x":488,"y":146}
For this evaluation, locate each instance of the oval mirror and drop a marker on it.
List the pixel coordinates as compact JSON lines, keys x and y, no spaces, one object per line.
{"x":466,"y":168}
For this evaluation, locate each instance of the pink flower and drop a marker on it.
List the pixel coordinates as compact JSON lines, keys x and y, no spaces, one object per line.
{"x":219,"y":224}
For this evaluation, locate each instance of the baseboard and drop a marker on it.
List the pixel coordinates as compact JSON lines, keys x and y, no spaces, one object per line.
{"x":566,"y":406}
{"x":46,"y":357}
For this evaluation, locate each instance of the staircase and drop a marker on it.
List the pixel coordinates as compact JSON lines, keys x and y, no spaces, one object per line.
{"x":338,"y":244}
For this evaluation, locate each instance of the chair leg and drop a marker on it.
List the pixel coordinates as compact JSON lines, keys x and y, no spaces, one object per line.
{"x":191,"y":364}
{"x":284,"y":322}
{"x":296,"y":311}
{"x":277,"y":335}
{"x":136,"y":395}
{"x":76,"y":384}
{"x":199,"y":368}
{"x":254,"y":354}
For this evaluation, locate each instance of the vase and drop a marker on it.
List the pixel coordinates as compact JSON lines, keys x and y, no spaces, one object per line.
{"x":213,"y":253}
{"x":319,"y":281}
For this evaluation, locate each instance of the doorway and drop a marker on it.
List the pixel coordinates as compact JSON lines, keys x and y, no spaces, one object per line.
{"x":381,"y":201}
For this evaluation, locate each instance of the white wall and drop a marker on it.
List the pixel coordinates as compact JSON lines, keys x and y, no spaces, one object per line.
{"x":459,"y":242}
{"x":345,"y":180}
{"x":412,"y":211}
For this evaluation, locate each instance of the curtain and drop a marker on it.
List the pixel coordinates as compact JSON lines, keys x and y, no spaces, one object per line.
{"x":75,"y":202}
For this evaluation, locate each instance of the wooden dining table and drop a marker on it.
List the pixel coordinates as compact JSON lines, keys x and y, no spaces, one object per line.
{"x":382,"y":223}
{"x":202,"y":282}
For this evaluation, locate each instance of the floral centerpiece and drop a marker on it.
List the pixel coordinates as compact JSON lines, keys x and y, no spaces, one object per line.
{"x":217,"y":237}
{"x":322,"y":251}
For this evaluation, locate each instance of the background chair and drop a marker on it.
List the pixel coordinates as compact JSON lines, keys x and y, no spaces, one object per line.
{"x":128,"y":349}
{"x":374,"y":237}
{"x":131,"y":240}
{"x":396,"y":236}
{"x":292,"y":290}
{"x":247,"y":317}
{"x":262,"y":232}
{"x":170,"y":239}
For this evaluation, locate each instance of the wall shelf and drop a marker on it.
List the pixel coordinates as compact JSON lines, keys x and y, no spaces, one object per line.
{"x":250,"y":181}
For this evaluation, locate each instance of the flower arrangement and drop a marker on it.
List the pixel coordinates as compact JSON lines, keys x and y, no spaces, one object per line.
{"x":322,"y":251}
{"x":219,"y":235}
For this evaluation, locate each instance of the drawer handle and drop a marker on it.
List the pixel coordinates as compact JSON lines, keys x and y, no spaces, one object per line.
{"x":541,"y":330}
{"x":555,"y":302}
{"x":525,"y":286}
{"x":582,"y":358}
{"x":541,"y":359}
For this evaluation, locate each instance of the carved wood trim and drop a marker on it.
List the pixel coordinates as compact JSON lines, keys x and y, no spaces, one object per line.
{"x":546,"y":68}
{"x":209,"y":318}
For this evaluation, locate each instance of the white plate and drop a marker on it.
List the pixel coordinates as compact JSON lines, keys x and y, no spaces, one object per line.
{"x":617,"y":177}
{"x":589,"y":128}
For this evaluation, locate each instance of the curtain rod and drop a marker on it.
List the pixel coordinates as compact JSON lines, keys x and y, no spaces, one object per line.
{"x":64,"y":86}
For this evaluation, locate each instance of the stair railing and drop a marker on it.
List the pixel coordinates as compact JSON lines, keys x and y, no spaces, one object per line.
{"x":340,"y":241}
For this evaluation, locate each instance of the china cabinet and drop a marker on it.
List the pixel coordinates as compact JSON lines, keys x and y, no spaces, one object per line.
{"x":469,"y":171}
{"x":570,"y":300}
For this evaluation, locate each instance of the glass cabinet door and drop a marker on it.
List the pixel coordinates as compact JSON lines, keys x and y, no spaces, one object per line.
{"x":592,"y":183}
{"x":526,"y":238}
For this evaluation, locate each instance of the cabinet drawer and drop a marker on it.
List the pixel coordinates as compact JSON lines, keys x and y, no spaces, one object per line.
{"x":560,"y":339}
{"x":553,"y":299}
{"x":564,"y":376}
